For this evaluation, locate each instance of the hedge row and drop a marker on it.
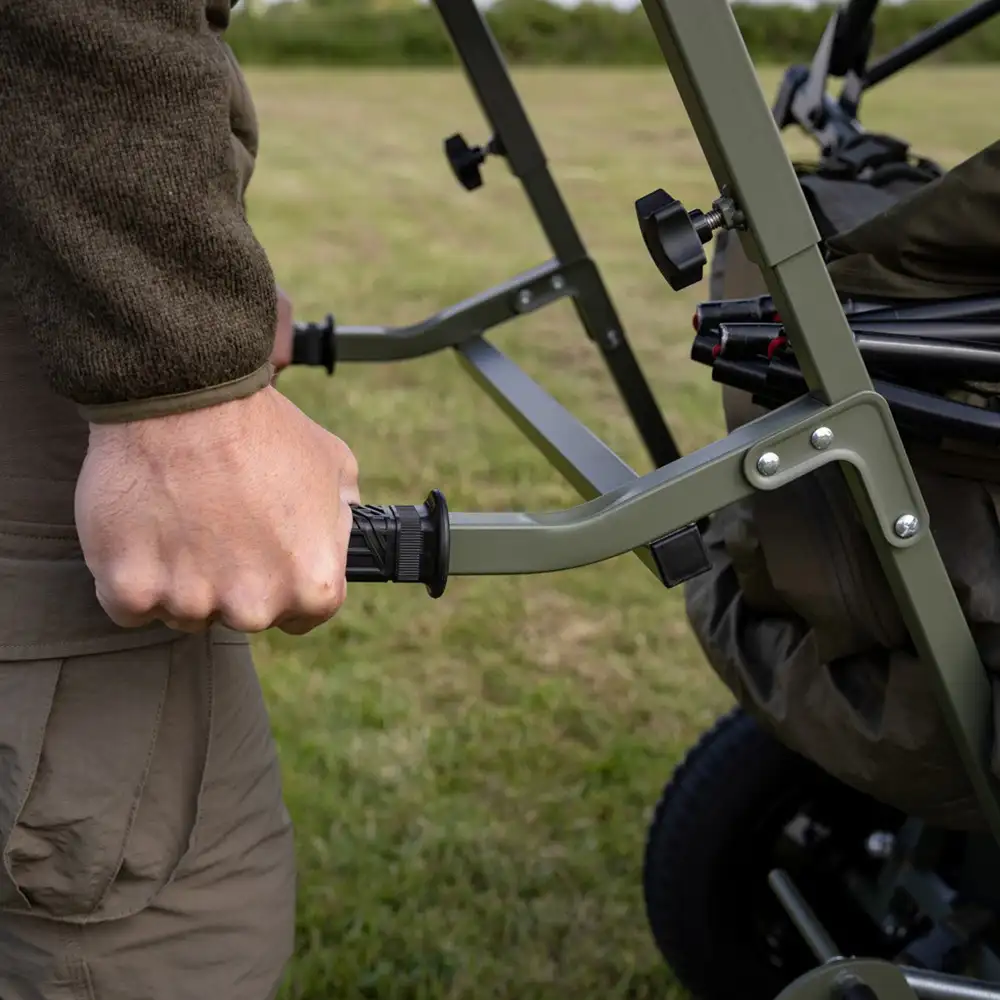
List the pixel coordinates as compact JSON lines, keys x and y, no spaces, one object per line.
{"x":540,"y":32}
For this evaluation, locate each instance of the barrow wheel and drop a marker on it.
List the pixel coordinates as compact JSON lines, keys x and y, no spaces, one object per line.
{"x":739,"y":805}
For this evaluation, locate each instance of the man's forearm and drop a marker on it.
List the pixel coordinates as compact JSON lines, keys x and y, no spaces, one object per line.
{"x":123,"y":240}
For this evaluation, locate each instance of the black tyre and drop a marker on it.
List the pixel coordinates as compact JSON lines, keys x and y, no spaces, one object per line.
{"x":738,"y":806}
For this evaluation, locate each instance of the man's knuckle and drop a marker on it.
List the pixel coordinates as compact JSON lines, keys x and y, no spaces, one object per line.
{"x":248,"y":619}
{"x":300,"y":626}
{"x":320,"y":589}
{"x":248,"y":608}
{"x":321,"y":604}
{"x":189,"y":608}
{"x":133,"y":590}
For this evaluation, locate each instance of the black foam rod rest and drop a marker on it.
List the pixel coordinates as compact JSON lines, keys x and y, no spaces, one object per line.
{"x":401,"y":544}
{"x":709,"y":315}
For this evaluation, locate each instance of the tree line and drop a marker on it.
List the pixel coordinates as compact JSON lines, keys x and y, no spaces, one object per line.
{"x":405,"y":33}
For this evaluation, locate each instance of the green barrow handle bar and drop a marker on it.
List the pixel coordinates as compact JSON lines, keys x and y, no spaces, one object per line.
{"x":401,"y":544}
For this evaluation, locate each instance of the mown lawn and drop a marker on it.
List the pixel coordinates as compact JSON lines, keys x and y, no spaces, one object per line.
{"x":471,"y":778}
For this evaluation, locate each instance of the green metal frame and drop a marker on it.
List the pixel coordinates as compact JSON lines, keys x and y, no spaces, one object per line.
{"x":845,"y":979}
{"x":745,"y":154}
{"x":743,"y":147}
{"x":839,"y":978}
{"x":623,"y":512}
{"x":571,"y":274}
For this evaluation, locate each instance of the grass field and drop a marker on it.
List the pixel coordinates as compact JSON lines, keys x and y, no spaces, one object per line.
{"x":471,"y":778}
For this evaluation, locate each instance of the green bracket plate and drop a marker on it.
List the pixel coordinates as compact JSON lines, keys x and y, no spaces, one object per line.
{"x":860,"y":431}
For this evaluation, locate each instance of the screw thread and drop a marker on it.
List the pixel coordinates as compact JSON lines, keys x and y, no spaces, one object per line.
{"x":714,"y":219}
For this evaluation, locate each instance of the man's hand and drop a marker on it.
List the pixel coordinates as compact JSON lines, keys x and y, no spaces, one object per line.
{"x":236,"y":513}
{"x":281,"y":354}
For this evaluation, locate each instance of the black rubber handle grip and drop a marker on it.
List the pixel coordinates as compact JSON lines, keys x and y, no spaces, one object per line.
{"x":401,"y":544}
{"x":315,"y":344}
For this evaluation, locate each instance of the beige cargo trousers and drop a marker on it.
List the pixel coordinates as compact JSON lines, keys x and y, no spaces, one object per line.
{"x":146,"y":850}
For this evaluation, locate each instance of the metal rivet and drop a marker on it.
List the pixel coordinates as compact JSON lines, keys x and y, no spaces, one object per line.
{"x":767,"y":464}
{"x":906,"y":525}
{"x":558,"y":283}
{"x":524,"y":297}
{"x":821,"y":438}
{"x":880,"y":845}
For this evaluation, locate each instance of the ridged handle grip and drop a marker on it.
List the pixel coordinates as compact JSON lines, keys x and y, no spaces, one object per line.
{"x":401,"y":544}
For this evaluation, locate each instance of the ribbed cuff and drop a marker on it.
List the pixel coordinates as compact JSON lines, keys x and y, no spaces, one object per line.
{"x":182,"y":402}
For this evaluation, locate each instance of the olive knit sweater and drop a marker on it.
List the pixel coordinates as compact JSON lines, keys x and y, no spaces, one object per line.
{"x":126,"y":142}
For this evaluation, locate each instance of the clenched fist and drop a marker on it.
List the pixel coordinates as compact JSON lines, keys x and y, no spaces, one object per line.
{"x":237,"y":513}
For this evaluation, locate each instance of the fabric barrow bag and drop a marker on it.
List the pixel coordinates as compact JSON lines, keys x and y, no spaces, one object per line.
{"x":796,"y":615}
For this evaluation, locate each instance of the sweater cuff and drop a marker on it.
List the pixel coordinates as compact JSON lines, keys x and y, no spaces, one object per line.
{"x":183,"y":402}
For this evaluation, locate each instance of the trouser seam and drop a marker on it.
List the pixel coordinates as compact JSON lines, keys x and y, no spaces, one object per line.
{"x":77,"y":970}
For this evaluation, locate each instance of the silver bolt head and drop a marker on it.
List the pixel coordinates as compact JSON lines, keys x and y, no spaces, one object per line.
{"x":768,"y":463}
{"x":821,"y":438}
{"x":558,"y":283}
{"x":524,"y":296}
{"x":906,"y":526}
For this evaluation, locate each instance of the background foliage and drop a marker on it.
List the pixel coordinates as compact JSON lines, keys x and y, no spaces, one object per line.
{"x":403,"y":32}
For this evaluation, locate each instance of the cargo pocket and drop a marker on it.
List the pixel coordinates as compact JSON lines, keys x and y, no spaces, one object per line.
{"x":102,"y":757}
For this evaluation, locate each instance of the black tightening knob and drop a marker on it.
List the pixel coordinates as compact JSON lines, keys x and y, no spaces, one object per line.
{"x":465,"y":161}
{"x":673,"y":238}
